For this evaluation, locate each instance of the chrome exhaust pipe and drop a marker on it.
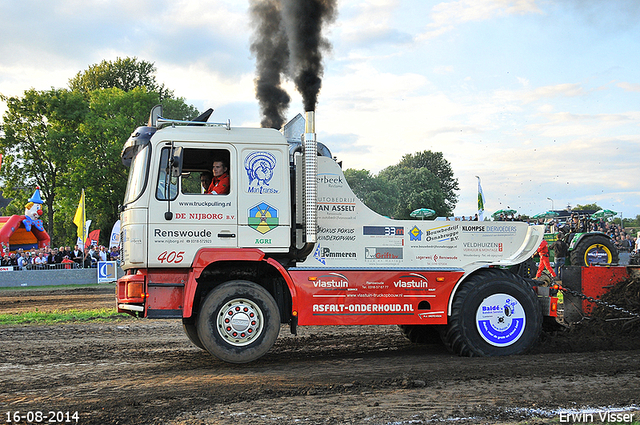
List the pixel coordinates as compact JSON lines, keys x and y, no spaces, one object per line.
{"x":311,"y":174}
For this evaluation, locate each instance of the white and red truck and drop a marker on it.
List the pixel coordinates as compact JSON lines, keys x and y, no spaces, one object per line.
{"x":292,"y":244}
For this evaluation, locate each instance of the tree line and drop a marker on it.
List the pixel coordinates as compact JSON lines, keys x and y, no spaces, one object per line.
{"x":64,"y":140}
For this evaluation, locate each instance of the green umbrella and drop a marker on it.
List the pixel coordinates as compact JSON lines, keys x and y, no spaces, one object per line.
{"x":603,"y":214}
{"x":547,"y":214}
{"x":505,"y":212}
{"x":422,"y":212}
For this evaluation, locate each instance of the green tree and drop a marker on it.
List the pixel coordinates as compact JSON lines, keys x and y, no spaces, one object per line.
{"x":40,"y":129}
{"x":587,"y":207}
{"x":423,"y":180}
{"x":414,"y":188}
{"x":125,"y":74}
{"x":66,"y":140}
{"x":441,"y":169}
{"x":375,"y":193}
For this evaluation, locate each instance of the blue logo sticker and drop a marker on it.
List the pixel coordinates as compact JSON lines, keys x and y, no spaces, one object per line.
{"x":259,"y":167}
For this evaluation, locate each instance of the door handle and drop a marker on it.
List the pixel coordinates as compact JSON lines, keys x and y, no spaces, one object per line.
{"x":226,"y":235}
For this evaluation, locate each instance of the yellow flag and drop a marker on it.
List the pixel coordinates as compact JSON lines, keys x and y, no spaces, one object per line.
{"x":80,"y":218}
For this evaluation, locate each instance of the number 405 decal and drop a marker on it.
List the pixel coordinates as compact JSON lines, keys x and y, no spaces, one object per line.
{"x":171,"y":257}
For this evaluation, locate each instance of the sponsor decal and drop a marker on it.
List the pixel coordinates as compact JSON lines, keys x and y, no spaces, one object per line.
{"x":412,"y":281}
{"x":204,"y":233}
{"x":263,"y":217}
{"x":259,"y":166}
{"x":415,"y":234}
{"x":332,"y":281}
{"x":322,"y":253}
{"x":383,"y":230}
{"x":204,"y":204}
{"x":483,"y":246}
{"x":500,"y":320}
{"x":199,"y":216}
{"x":336,"y":207}
{"x":439,"y":234}
{"x":490,"y":228}
{"x":330,"y":179}
{"x":362,"y":308}
{"x":381,"y":253}
{"x":263,"y":242}
{"x":336,"y":234}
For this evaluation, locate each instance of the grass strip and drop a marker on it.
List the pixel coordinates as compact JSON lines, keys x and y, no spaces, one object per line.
{"x":62,"y":316}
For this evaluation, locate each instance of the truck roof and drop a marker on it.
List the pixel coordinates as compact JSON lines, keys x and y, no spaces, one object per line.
{"x":204,"y":133}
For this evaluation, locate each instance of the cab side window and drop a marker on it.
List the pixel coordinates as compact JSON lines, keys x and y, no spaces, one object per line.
{"x":198,"y":169}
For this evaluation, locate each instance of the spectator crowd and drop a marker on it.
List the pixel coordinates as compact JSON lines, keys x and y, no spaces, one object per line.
{"x":59,"y":258}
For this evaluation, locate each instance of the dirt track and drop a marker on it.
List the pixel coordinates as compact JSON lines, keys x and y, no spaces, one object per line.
{"x":147,"y":372}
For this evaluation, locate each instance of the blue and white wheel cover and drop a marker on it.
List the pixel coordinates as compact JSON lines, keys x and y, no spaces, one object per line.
{"x":500,"y":320}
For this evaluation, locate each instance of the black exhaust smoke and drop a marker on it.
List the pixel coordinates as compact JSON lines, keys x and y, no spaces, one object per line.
{"x":272,"y":60}
{"x":288,"y":42}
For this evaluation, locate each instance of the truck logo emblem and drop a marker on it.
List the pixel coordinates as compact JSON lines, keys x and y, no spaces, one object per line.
{"x":415,"y":234}
{"x":263,"y":217}
{"x":259,"y":167}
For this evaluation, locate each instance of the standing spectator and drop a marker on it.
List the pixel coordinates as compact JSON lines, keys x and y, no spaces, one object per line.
{"x":68,"y":263}
{"x":22,"y":261}
{"x":87,"y":259}
{"x":51,"y":259}
{"x":560,"y":250}
{"x":103,"y":253}
{"x":39,"y":261}
{"x":76,"y":255}
{"x":59,"y":255}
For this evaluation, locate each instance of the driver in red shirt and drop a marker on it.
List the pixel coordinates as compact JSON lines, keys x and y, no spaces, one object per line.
{"x":220,"y":183}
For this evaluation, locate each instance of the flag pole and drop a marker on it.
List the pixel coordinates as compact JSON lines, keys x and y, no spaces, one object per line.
{"x":480,"y":201}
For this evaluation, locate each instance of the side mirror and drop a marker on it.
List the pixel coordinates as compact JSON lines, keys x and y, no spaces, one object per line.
{"x":175,"y":162}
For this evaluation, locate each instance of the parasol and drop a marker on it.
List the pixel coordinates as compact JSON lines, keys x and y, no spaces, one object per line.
{"x":422,"y":212}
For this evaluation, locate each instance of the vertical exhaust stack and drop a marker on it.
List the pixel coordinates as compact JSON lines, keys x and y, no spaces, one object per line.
{"x":311,"y":173}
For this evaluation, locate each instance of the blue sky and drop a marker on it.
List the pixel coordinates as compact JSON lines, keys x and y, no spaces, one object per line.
{"x":541,"y":99}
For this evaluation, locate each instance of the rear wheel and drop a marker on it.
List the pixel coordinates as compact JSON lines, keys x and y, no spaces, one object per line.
{"x":495,"y":313}
{"x":594,"y":249}
{"x":239,"y":322}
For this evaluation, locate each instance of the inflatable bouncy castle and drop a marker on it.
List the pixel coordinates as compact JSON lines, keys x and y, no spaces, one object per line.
{"x":24,"y":231}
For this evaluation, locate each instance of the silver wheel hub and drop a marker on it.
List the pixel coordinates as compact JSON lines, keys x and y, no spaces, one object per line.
{"x":240,"y":321}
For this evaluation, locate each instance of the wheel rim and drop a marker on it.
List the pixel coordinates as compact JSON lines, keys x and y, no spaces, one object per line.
{"x":597,"y":254}
{"x":240,"y":321}
{"x":500,"y":320}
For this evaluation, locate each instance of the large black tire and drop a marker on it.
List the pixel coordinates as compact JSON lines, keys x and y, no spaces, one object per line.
{"x":594,"y":249}
{"x":239,"y":322}
{"x":421,"y":334}
{"x":191,"y":329}
{"x":494,"y":313}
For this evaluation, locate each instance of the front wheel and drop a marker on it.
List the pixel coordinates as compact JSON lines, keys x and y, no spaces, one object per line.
{"x":239,"y":322}
{"x":495,"y":313}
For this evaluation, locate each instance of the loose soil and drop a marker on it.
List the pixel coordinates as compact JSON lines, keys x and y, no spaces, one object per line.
{"x":140,"y":371}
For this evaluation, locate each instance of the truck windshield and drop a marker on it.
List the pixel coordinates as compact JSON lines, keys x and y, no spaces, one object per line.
{"x":137,"y":174}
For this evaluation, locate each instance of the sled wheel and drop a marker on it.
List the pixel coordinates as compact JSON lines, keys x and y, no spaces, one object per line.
{"x":594,"y":249}
{"x":495,"y":313}
{"x":239,"y":322}
{"x":421,"y":334}
{"x":190,"y":328}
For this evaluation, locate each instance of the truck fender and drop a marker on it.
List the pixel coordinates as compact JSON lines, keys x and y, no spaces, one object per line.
{"x":207,"y":256}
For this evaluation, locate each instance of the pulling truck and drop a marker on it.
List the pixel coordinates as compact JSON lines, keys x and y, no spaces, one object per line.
{"x":291,"y":244}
